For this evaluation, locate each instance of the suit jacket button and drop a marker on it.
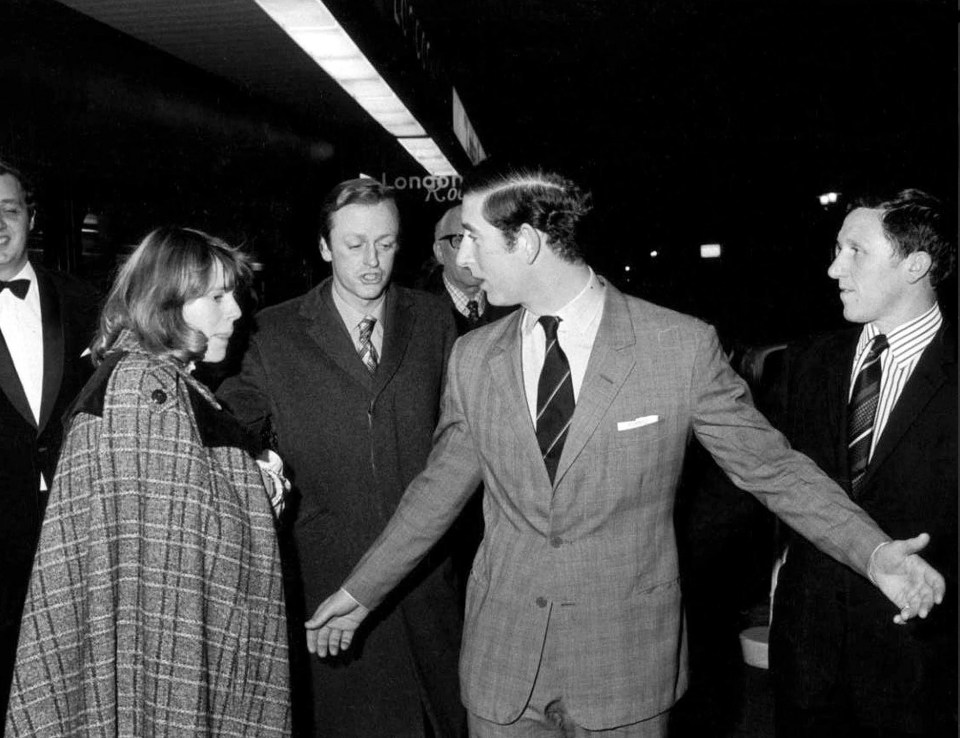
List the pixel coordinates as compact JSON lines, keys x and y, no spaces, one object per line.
{"x":556,"y":542}
{"x":541,"y":601}
{"x":159,"y":396}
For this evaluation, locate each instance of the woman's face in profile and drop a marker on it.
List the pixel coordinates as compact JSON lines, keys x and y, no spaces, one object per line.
{"x":213,"y":314}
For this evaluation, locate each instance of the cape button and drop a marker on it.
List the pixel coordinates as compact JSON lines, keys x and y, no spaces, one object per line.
{"x":541,"y":601}
{"x":158,"y":396}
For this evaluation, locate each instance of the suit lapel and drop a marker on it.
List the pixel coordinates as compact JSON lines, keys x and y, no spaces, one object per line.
{"x":838,"y":392}
{"x":927,"y":377}
{"x":610,"y":363}
{"x":326,"y":328}
{"x":398,"y":321}
{"x":11,"y":386}
{"x":506,"y":371}
{"x":53,"y":345}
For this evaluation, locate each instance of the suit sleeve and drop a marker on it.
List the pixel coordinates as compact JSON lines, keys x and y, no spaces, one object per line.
{"x":430,"y":505}
{"x":247,"y":396}
{"x":758,"y":459}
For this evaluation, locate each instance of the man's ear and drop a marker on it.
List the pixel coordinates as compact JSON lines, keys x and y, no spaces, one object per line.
{"x":438,"y":250}
{"x":325,"y":252}
{"x":918,"y":266}
{"x":529,"y":240}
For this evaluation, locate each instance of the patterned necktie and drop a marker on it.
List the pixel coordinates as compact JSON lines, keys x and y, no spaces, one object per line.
{"x":473,"y":312}
{"x":555,"y":400}
{"x":367,"y":351}
{"x":18,"y":287}
{"x":862,"y":412}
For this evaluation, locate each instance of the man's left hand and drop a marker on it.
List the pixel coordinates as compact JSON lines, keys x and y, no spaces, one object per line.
{"x":906,"y":579}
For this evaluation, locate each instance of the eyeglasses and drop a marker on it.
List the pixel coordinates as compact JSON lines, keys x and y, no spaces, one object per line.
{"x":455,"y":240}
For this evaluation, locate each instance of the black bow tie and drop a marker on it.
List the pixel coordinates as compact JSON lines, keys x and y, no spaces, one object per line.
{"x":18,"y":287}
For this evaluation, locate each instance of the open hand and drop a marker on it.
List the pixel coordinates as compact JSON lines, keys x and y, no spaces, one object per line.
{"x":333,"y":625}
{"x":906,"y":579}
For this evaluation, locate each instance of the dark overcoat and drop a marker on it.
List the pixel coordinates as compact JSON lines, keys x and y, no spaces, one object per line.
{"x":351,"y":442}
{"x":155,"y":606}
{"x":832,"y":627}
{"x":68,"y":309}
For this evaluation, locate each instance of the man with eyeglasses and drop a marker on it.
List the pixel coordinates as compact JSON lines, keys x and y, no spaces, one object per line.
{"x":455,"y":283}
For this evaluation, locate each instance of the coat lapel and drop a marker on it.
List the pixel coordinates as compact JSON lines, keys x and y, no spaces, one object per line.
{"x":398,"y":322}
{"x":53,"y":345}
{"x":506,"y":370}
{"x":326,"y":328}
{"x":927,"y":377}
{"x":838,"y":392}
{"x":611,"y":361}
{"x":11,"y":386}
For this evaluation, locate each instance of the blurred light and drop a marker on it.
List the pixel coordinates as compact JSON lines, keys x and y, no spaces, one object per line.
{"x":654,"y":254}
{"x":426,"y":151}
{"x":315,"y":30}
{"x":626,"y":268}
{"x":828,"y":198}
{"x":710,"y":251}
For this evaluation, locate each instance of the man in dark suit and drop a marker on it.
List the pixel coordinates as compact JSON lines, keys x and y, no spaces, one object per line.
{"x":46,"y":322}
{"x":455,"y":283}
{"x":345,"y":383}
{"x":876,"y":407}
{"x":576,"y":412}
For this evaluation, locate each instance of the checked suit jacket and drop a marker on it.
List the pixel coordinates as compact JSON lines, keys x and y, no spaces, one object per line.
{"x":593,"y":555}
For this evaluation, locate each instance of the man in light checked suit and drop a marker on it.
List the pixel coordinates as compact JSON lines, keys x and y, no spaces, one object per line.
{"x":573,"y":619}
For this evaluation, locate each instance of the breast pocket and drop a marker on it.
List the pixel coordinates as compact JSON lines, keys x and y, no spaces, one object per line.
{"x":635,"y":432}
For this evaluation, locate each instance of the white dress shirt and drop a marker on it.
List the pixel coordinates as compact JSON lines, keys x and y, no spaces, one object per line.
{"x":907,"y":343}
{"x":22,"y":328}
{"x":579,"y":321}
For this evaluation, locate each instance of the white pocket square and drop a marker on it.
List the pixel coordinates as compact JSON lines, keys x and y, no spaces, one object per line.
{"x":625,"y":425}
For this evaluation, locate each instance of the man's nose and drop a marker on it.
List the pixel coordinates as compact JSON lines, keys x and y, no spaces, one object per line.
{"x":370,"y":255}
{"x":465,"y":253}
{"x":835,"y":269}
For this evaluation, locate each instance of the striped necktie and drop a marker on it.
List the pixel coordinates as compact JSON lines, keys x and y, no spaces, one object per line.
{"x":555,"y":400}
{"x":862,"y":413}
{"x":366,"y":349}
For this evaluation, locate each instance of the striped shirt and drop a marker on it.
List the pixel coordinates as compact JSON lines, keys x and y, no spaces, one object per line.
{"x":907,"y":343}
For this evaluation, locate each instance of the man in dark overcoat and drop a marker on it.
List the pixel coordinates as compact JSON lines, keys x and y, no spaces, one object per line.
{"x":875,"y":405}
{"x":46,"y":322}
{"x":345,"y":383}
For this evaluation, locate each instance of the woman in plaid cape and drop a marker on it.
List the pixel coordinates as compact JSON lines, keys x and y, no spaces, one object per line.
{"x":156,"y":604}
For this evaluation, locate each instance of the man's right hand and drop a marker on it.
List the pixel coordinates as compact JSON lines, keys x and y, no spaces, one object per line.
{"x":332,"y":626}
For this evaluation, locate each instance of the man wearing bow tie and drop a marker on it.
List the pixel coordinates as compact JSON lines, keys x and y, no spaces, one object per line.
{"x":46,"y":322}
{"x":348,"y":378}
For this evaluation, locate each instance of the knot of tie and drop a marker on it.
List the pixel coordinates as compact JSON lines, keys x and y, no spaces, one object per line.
{"x":473,"y":311}
{"x":17,"y":287}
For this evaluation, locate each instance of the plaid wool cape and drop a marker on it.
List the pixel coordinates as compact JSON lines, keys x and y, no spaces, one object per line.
{"x":155,"y":605}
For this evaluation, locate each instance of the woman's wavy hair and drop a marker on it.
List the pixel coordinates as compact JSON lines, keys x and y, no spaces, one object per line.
{"x":170,"y":266}
{"x":545,"y":200}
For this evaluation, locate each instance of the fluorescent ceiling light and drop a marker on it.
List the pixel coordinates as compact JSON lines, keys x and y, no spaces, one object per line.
{"x":312,"y":26}
{"x":426,"y":151}
{"x":710,"y":251}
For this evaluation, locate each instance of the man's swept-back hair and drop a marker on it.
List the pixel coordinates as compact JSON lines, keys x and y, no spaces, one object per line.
{"x":25,"y":186}
{"x":545,"y":200}
{"x":916,"y":221}
{"x":362,"y":191}
{"x":170,"y":267}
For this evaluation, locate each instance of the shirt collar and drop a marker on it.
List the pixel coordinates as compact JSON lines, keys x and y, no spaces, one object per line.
{"x":578,"y":314}
{"x":461,"y":298}
{"x":351,"y":316}
{"x":907,"y":339}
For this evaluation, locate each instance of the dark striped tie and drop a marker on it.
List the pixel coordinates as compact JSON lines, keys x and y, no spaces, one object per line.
{"x":555,"y":401}
{"x":862,"y":413}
